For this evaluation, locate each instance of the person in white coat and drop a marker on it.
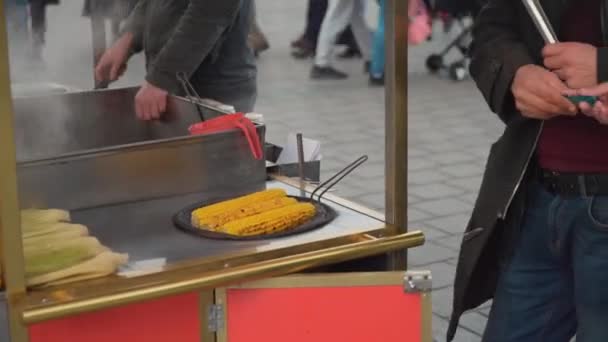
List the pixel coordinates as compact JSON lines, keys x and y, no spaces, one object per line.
{"x":340,"y":14}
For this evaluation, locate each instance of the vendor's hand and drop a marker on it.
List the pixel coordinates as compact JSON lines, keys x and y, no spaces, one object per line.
{"x":113,"y":62}
{"x":538,"y":93}
{"x":574,"y":63}
{"x":599,"y":110}
{"x":150,"y":102}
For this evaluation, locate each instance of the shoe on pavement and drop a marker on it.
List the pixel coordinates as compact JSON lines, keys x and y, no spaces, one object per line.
{"x":299,"y":53}
{"x":327,"y":73}
{"x":350,"y":53}
{"x":376,"y":81}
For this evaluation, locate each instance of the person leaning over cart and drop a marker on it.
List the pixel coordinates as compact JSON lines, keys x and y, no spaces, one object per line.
{"x":206,"y":40}
{"x":537,"y":241}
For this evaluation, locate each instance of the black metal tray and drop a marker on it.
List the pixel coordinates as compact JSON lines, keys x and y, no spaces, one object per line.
{"x":324,"y":215}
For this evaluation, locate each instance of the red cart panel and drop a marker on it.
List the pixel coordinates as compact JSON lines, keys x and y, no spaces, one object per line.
{"x":169,"y":319}
{"x":354,"y":308}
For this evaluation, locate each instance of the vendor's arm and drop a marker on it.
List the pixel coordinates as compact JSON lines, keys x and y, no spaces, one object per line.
{"x":113,"y":62}
{"x":134,"y":25}
{"x":195,"y":35}
{"x":504,"y":70}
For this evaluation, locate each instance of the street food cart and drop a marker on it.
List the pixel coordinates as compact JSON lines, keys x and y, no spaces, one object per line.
{"x":125,"y":180}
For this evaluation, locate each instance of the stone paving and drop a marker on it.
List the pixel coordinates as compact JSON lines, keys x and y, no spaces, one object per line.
{"x":450,"y":131}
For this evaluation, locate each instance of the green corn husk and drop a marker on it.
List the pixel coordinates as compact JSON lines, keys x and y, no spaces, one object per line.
{"x":47,"y":246}
{"x":33,"y":217}
{"x":55,"y":258}
{"x":101,"y":265}
{"x":64,"y":232}
{"x":53,"y":228}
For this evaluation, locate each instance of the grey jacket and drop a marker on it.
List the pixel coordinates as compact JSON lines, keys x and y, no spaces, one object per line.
{"x":204,"y":39}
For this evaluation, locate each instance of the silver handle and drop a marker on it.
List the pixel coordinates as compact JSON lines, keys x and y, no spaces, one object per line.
{"x":540,"y":20}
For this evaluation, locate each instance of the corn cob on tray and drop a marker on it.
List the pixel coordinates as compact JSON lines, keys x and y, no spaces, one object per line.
{"x":262,"y":215}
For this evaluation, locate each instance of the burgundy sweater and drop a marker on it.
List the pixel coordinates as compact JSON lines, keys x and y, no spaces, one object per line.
{"x":576,"y":144}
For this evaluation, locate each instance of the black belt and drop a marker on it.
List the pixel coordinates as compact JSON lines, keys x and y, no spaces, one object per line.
{"x":574,"y":184}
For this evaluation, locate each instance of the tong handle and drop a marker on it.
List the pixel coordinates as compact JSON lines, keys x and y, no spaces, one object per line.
{"x":339,"y":176}
{"x":190,"y":92}
{"x":541,"y":21}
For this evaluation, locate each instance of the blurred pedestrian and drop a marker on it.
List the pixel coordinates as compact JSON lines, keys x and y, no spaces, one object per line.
{"x":38,"y":24}
{"x":305,"y":46}
{"x":376,"y":74}
{"x":17,"y":20}
{"x":257,"y":39}
{"x":339,"y":14}
{"x":115,"y":11}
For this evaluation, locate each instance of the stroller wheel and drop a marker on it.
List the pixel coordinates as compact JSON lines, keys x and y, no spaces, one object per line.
{"x":434,"y":63}
{"x":458,"y":71}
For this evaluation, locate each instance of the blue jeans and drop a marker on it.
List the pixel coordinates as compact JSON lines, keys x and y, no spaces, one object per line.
{"x":555,"y":284}
{"x":378,"y":59}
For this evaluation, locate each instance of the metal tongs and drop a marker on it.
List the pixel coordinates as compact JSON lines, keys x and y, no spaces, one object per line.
{"x":191,"y":93}
{"x":223,"y":122}
{"x":540,"y":19}
{"x":335,"y":179}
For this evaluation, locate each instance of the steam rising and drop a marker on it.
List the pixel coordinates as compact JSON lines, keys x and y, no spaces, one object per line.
{"x":66,"y":54}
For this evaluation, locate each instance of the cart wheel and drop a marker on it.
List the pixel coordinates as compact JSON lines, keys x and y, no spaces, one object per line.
{"x":458,"y":71}
{"x":434,"y":63}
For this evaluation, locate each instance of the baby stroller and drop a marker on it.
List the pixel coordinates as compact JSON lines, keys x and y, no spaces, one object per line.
{"x":454,"y":11}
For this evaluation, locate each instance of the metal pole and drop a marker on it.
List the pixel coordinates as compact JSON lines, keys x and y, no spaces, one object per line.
{"x":396,"y":124}
{"x":11,"y":248}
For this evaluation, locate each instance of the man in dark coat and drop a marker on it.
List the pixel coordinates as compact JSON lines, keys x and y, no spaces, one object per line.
{"x":537,"y":241}
{"x":204,"y":40}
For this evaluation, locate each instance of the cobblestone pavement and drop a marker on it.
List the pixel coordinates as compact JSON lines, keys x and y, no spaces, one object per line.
{"x":450,"y":131}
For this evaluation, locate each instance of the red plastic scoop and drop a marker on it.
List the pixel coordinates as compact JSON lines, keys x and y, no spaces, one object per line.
{"x":228,"y":122}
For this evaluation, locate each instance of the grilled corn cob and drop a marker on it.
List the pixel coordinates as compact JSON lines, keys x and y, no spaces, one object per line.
{"x":216,"y":220}
{"x":272,"y":221}
{"x":240,"y":202}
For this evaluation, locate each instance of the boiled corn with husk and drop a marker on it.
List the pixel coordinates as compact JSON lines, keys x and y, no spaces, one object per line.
{"x":240,"y":202}
{"x":272,"y":221}
{"x":101,"y":265}
{"x":219,"y":219}
{"x":65,"y":232}
{"x":57,"y":251}
{"x":53,"y":228}
{"x":31,"y":217}
{"x":53,"y":244}
{"x":54,"y":259}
